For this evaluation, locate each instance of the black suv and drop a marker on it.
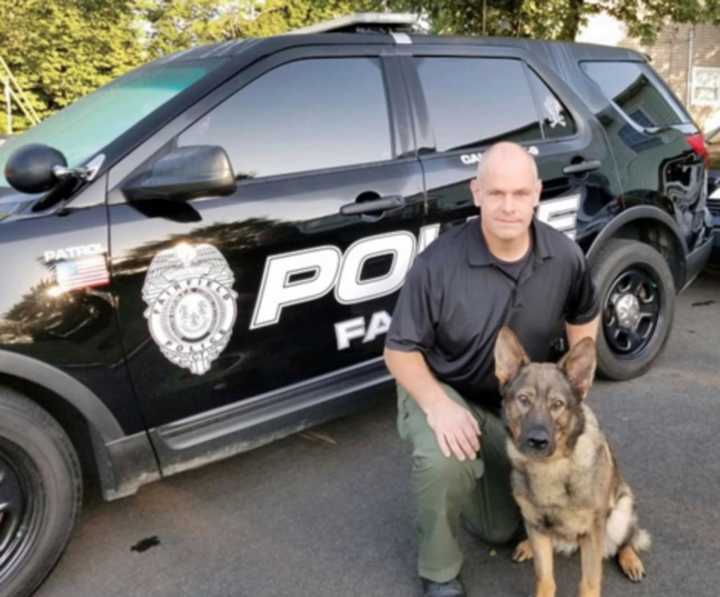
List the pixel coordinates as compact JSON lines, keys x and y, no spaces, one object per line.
{"x":203,"y":256}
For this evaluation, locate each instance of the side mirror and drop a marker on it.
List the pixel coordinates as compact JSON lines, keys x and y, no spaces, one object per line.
{"x":185,"y":173}
{"x":30,"y":168}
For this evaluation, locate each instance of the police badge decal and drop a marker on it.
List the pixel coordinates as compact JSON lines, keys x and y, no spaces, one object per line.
{"x":191,"y":304}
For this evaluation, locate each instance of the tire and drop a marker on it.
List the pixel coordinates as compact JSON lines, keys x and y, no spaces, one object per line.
{"x":41,"y":485}
{"x":624,"y":269}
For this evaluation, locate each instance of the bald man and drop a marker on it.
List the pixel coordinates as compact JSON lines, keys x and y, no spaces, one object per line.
{"x":504,"y":267}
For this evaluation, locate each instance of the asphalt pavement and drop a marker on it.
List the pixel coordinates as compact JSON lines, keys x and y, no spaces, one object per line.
{"x":327,"y":513}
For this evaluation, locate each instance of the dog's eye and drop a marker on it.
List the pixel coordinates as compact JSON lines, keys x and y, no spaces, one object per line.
{"x":557,"y":405}
{"x":523,"y":400}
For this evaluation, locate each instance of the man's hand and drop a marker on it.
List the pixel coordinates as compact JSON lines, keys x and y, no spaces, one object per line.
{"x":456,"y":430}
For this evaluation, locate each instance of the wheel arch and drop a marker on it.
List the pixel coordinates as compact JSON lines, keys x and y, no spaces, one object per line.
{"x":121,"y":463}
{"x":652,"y":226}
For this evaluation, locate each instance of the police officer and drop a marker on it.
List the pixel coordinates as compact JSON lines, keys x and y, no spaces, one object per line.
{"x":504,"y":267}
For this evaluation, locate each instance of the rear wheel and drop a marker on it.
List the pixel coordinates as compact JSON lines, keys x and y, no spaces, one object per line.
{"x":637,"y":294}
{"x":40,"y":493}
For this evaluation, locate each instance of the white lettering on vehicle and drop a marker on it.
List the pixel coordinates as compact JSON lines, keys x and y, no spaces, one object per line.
{"x":72,"y":252}
{"x":330,"y":269}
{"x":354,"y":328}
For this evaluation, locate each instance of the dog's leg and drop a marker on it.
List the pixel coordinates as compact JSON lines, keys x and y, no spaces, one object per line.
{"x":591,"y":555}
{"x":631,"y":563}
{"x":542,"y":550}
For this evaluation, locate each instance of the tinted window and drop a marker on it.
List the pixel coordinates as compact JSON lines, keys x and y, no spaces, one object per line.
{"x":556,"y":120}
{"x":304,"y":115}
{"x":475,"y":101}
{"x":632,"y":87}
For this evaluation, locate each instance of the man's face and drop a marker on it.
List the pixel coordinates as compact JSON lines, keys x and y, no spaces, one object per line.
{"x":506,"y":192}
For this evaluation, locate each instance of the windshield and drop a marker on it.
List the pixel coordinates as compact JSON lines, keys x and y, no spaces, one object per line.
{"x":82,"y":129}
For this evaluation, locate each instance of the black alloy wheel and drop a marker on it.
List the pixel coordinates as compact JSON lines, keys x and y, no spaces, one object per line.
{"x":40,"y":493}
{"x":631,"y":311}
{"x":636,"y":290}
{"x":20,"y":508}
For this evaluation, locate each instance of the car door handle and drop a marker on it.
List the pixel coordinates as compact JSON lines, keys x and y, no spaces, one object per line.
{"x":585,"y":166}
{"x":372,"y":206}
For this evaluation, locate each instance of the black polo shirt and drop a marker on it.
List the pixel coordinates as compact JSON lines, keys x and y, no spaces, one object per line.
{"x":456,"y":298}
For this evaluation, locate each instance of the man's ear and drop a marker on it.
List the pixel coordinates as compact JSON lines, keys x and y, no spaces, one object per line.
{"x":578,"y":365}
{"x":510,"y":356}
{"x":475,"y":190}
{"x":538,"y":192}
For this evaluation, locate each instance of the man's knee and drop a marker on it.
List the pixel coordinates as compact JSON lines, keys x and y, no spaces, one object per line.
{"x":436,"y":468}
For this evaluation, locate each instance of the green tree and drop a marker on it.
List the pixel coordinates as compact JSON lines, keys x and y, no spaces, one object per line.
{"x":59,"y":50}
{"x":557,"y":19}
{"x":174,"y":25}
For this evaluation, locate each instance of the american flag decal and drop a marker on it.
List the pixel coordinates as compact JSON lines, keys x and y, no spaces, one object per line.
{"x":85,"y":272}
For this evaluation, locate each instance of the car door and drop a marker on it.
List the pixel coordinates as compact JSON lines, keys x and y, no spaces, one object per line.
{"x":469,"y":97}
{"x":244,"y":299}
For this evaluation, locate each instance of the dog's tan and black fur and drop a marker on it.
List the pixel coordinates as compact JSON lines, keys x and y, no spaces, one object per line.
{"x":564,"y":478}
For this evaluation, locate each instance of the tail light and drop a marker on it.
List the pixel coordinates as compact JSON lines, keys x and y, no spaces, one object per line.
{"x":697,"y":143}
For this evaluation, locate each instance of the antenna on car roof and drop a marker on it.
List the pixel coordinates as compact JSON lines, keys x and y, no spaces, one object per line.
{"x":362,"y":22}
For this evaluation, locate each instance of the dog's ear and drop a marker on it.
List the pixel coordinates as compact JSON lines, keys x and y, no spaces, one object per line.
{"x":578,"y":365}
{"x":510,"y":356}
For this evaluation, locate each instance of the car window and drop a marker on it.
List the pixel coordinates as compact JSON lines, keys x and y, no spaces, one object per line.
{"x":476,"y":101}
{"x":556,"y":120}
{"x":632,"y":86}
{"x":305,"y":115}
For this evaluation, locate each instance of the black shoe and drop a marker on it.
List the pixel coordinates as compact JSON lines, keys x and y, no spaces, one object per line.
{"x":451,"y":588}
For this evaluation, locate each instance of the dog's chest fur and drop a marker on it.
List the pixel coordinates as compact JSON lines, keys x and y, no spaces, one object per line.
{"x":562,"y":496}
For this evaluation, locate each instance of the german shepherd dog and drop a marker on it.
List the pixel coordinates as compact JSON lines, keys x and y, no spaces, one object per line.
{"x":564,"y":475}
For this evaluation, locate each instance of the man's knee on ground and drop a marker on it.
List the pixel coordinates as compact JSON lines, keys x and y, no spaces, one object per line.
{"x":501,"y":528}
{"x":502,"y":535}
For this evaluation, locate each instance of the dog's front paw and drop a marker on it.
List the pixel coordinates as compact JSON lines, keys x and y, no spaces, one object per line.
{"x":523,"y":551}
{"x":631,"y":564}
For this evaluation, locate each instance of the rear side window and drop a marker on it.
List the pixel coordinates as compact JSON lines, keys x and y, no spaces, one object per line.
{"x":306,"y":115}
{"x":633,"y":87}
{"x":477,"y":101}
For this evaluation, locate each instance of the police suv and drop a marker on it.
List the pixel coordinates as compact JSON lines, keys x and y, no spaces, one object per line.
{"x":204,"y":255}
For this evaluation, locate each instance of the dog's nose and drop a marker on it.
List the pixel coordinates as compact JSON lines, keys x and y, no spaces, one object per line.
{"x":538,"y":439}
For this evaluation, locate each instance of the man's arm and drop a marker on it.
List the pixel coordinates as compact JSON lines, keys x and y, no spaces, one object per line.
{"x":455,"y":428}
{"x":575,"y":333}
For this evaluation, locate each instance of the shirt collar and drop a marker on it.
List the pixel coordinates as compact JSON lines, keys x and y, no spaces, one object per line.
{"x":478,"y":253}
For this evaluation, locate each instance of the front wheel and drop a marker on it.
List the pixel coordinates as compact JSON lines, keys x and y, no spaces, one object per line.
{"x":637,"y":297}
{"x":40,"y":493}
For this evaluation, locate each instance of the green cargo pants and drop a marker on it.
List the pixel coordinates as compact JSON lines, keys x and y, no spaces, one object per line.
{"x":445,"y":488}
